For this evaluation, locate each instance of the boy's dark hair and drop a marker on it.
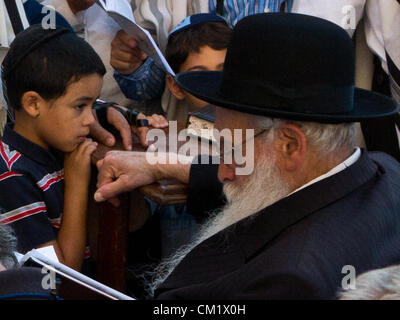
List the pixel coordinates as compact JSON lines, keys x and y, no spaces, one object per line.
{"x":216,"y":35}
{"x":46,"y":61}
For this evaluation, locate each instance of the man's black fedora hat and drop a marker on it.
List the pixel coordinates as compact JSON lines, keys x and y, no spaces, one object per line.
{"x":289,"y":66}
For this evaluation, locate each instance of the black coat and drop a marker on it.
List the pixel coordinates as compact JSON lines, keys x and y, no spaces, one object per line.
{"x":297,"y":247}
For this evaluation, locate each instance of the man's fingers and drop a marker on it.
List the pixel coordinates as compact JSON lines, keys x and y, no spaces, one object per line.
{"x":102,"y":135}
{"x":99,"y":164}
{"x":158,"y":121}
{"x":107,"y":169}
{"x":110,"y":190}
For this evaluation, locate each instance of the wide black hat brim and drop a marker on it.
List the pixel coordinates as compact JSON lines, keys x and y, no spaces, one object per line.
{"x":205,"y":85}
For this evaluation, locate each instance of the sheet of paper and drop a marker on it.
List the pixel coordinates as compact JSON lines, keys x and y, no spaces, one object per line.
{"x":43,"y":258}
{"x":49,"y":252}
{"x":121,"y":12}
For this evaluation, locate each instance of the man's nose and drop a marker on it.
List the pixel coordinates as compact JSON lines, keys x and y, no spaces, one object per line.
{"x":226,"y":173}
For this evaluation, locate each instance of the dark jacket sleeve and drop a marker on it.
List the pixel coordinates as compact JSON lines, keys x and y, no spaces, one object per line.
{"x":205,"y":190}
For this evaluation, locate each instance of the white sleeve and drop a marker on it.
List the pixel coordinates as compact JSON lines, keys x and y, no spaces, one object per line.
{"x":382,"y":28}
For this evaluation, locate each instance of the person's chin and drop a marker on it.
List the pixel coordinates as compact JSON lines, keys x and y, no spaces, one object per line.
{"x":68,"y":147}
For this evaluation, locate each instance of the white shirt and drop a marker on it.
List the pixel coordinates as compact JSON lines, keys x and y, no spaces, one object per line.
{"x":340,"y":167}
{"x":6,"y":30}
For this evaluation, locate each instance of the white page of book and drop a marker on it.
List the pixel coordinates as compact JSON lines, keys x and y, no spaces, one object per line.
{"x":121,"y":12}
{"x":45,"y":258}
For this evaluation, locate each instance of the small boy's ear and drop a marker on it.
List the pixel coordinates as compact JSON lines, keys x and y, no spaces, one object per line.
{"x":30,"y":102}
{"x":174,"y":88}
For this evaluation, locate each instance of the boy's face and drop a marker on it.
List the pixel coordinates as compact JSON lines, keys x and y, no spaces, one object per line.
{"x":207,"y":59}
{"x":64,"y":123}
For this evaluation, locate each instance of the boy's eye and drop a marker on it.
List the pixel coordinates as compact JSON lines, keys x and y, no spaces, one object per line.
{"x":80,"y":107}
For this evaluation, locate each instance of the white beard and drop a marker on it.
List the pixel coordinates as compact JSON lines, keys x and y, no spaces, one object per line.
{"x":262,"y":188}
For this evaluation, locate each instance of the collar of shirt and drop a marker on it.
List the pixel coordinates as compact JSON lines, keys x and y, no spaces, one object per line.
{"x":30,"y":149}
{"x":340,"y":167}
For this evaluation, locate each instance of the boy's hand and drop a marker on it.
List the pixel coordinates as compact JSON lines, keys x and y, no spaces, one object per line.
{"x":155,"y":121}
{"x":79,"y":5}
{"x":126,"y":57}
{"x":77,"y":164}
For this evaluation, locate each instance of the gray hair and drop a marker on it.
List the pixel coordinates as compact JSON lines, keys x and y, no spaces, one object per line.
{"x":379,"y":284}
{"x":8,"y":244}
{"x":325,"y":138}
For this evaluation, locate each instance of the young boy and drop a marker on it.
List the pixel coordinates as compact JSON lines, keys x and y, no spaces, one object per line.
{"x":50,"y":78}
{"x":198,"y":43}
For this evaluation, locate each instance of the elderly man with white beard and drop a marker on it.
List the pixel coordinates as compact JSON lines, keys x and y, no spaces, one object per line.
{"x":313,"y":206}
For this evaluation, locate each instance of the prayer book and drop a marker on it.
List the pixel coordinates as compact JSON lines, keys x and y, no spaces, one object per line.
{"x":121,"y":12}
{"x":46,"y":257}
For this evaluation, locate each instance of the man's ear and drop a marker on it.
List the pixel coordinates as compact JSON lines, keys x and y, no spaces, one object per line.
{"x":292,"y":146}
{"x":31,"y":102}
{"x":174,"y":88}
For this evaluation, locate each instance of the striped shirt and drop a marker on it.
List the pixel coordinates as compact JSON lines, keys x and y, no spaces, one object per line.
{"x":31,"y":190}
{"x":235,"y":10}
{"x":148,"y":82}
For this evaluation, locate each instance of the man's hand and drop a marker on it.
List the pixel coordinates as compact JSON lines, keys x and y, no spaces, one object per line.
{"x":115,"y":118}
{"x":126,"y":57}
{"x":122,"y":171}
{"x":79,"y":5}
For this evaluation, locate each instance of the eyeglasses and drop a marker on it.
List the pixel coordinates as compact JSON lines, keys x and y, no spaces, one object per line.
{"x":223,"y":155}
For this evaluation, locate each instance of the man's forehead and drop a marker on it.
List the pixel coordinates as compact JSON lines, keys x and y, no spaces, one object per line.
{"x":231,"y":119}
